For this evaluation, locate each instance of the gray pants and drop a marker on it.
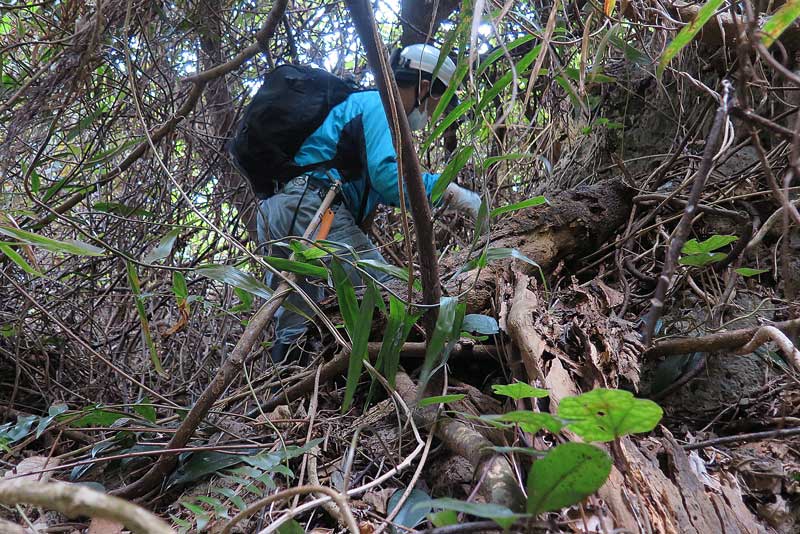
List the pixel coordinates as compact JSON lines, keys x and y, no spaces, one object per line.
{"x":275,"y":215}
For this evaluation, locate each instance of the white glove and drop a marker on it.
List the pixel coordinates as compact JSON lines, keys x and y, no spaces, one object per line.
{"x":462,"y":200}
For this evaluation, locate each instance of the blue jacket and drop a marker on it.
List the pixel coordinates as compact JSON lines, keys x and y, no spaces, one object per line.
{"x":357,"y":133}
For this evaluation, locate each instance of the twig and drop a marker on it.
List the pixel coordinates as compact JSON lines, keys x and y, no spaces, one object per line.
{"x":753,"y":436}
{"x":713,"y":342}
{"x":713,"y":144}
{"x":74,"y":500}
{"x":770,"y":333}
{"x":337,"y":497}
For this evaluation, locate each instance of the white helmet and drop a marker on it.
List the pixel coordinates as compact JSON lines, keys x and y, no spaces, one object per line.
{"x":425,"y":58}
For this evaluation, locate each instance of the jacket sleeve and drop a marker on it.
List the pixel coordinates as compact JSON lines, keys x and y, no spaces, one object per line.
{"x":380,"y":155}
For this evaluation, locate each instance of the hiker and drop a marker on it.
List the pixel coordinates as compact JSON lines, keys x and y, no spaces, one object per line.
{"x":353,"y":145}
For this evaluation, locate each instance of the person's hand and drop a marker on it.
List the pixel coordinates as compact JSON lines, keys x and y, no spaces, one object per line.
{"x":462,"y":200}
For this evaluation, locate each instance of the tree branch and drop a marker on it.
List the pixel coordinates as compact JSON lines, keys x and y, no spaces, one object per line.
{"x":74,"y":500}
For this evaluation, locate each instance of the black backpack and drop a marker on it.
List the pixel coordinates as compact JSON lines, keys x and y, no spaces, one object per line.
{"x":289,"y":106}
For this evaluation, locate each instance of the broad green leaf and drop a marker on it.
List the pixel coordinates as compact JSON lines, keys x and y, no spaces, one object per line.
{"x":410,"y":514}
{"x":54,"y":411}
{"x":452,"y":169}
{"x":709,"y":245}
{"x":70,"y":246}
{"x":146,"y":410}
{"x":747,"y":271}
{"x":686,"y":34}
{"x":531,"y":422}
{"x":346,"y":295}
{"x":519,"y":390}
{"x":360,"y":339}
{"x":201,"y":464}
{"x":442,"y":332}
{"x":497,"y":513}
{"x":531,"y":202}
{"x":17,"y":258}
{"x":608,"y":414}
{"x":299,"y":267}
{"x":233,"y":276}
{"x":398,"y":326}
{"x":499,"y":253}
{"x":777,"y":23}
{"x":481,"y":324}
{"x":133,"y":280}
{"x":441,"y":399}
{"x":392,"y":270}
{"x":98,"y":417}
{"x":291,"y":527}
{"x":179,"y":287}
{"x":164,"y":247}
{"x":444,"y":518}
{"x":701,"y":260}
{"x":568,"y":474}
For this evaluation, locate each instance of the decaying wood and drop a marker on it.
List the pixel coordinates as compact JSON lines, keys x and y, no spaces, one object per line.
{"x":651,"y":496}
{"x":575,"y":223}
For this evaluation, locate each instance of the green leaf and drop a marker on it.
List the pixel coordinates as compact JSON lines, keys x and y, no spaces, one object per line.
{"x":444,"y":518}
{"x":488,"y":162}
{"x":777,"y":23}
{"x":607,"y":414}
{"x":441,"y":399}
{"x":508,"y":77}
{"x":233,"y":276}
{"x":452,"y":117}
{"x":121,"y":209}
{"x":520,"y":390}
{"x":179,"y":287}
{"x":701,"y":260}
{"x":70,"y":246}
{"x":497,"y":513}
{"x":686,"y":35}
{"x":54,"y":411}
{"x":98,"y":417}
{"x":500,"y":253}
{"x":568,"y":474}
{"x":17,"y":258}
{"x":291,"y":527}
{"x":709,"y":245}
{"x":442,"y":332}
{"x":501,"y":51}
{"x":481,"y":324}
{"x":299,"y":267}
{"x":346,"y":295}
{"x":452,"y":169}
{"x":360,"y":339}
{"x":201,"y":464}
{"x":414,"y":509}
{"x":146,"y":410}
{"x":133,"y":280}
{"x":531,"y":202}
{"x":164,"y":247}
{"x":747,"y":271}
{"x":398,"y":326}
{"x":531,"y":422}
{"x":392,"y":270}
